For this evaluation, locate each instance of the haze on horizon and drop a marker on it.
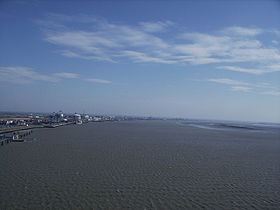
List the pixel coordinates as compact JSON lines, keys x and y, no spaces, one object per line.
{"x":188,"y":59}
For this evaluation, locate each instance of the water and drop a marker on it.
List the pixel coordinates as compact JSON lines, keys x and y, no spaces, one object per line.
{"x":232,"y":125}
{"x":141,"y":165}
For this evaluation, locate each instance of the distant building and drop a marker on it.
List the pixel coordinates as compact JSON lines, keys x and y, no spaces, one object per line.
{"x":78,"y":118}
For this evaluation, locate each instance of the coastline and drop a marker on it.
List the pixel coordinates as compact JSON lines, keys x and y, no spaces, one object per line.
{"x":10,"y":130}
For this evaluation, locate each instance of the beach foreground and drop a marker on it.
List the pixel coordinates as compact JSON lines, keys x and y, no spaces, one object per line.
{"x":141,"y":165}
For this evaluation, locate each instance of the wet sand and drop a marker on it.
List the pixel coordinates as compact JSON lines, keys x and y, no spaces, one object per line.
{"x":141,"y":165}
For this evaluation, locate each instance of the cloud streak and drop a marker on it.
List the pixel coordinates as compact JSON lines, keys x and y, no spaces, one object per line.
{"x":66,"y":75}
{"x":155,"y":26}
{"x":272,"y":92}
{"x":25,"y":75}
{"x":241,"y":86}
{"x":266,"y":69}
{"x":96,"y":80}
{"x":242,"y":31}
{"x":227,"y":81}
{"x":162,"y":42}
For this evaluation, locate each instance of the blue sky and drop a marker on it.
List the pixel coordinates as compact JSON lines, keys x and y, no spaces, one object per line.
{"x":193,"y":59}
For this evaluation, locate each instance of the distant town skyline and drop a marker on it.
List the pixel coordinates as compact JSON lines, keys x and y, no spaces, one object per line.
{"x":187,"y":59}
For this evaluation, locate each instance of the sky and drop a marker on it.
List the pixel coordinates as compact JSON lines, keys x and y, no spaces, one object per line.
{"x":190,"y":59}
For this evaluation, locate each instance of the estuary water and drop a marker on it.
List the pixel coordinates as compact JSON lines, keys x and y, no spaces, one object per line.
{"x":142,"y":165}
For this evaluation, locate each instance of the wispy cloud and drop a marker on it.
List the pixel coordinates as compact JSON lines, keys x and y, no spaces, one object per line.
{"x":142,"y":42}
{"x":72,"y":54}
{"x":228,"y":81}
{"x":66,"y":75}
{"x":24,"y":75}
{"x":242,"y":31}
{"x":18,"y":74}
{"x":226,"y":49}
{"x":140,"y":57}
{"x":105,"y":41}
{"x":265,"y":69}
{"x":96,"y":80}
{"x":275,"y":31}
{"x":241,"y":88}
{"x":272,"y":92}
{"x":237,"y":85}
{"x":155,"y":26}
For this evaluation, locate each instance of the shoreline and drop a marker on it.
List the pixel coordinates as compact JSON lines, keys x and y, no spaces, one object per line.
{"x":10,"y":130}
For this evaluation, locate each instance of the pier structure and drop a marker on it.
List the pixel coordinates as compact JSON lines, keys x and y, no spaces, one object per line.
{"x":15,"y":137}
{"x":5,"y":140}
